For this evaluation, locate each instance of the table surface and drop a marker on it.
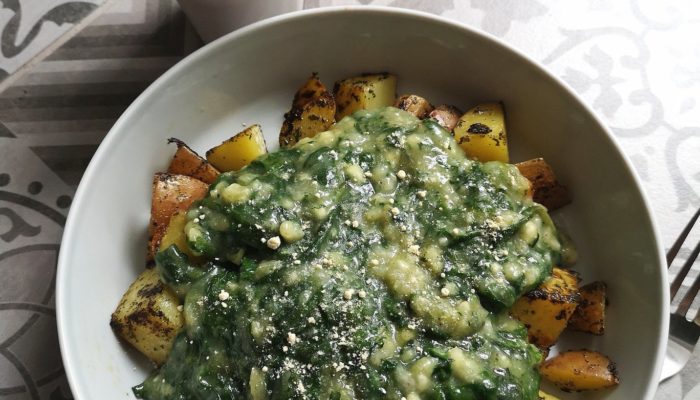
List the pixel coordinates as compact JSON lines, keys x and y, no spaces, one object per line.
{"x":68,"y":69}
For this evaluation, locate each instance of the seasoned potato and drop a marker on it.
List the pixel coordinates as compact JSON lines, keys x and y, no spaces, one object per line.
{"x":546,"y":396}
{"x":481,"y":132}
{"x":171,"y":193}
{"x":313,"y":111}
{"x":316,"y":116}
{"x":312,"y":89}
{"x":589,"y":316}
{"x":175,"y":235}
{"x":446,"y":115}
{"x":187,"y":162}
{"x":546,"y":310}
{"x":366,"y":92}
{"x":546,"y":190}
{"x":414,"y":104}
{"x":580,"y":370}
{"x":147,"y":316}
{"x":238,"y":151}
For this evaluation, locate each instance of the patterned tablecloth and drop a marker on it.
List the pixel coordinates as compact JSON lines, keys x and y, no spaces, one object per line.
{"x":69,"y":68}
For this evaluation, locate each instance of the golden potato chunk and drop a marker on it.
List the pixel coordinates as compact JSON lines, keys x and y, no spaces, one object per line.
{"x":313,"y":111}
{"x":414,"y":104}
{"x":366,"y":92}
{"x":589,"y":316}
{"x":546,"y":189}
{"x":171,"y":193}
{"x":481,"y":132}
{"x":446,"y":115}
{"x":238,"y":151}
{"x":580,"y":370}
{"x":187,"y":162}
{"x":175,"y":235}
{"x":312,"y":89}
{"x":316,"y":116}
{"x":546,"y":310}
{"x":147,"y":316}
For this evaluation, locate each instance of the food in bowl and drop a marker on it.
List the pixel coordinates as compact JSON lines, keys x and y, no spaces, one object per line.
{"x":370,"y":257}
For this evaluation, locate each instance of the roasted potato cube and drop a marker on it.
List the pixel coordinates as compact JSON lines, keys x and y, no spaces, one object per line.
{"x":481,"y":132}
{"x":171,"y":193}
{"x":312,"y":89}
{"x":238,"y":151}
{"x":580,"y":370}
{"x":446,"y":115}
{"x":546,"y":396}
{"x":589,"y":316}
{"x":316,"y":116}
{"x":175,"y":234}
{"x":414,"y":104}
{"x":546,"y":310}
{"x":187,"y":162}
{"x":546,"y":190}
{"x":147,"y":316}
{"x":313,"y":111}
{"x":366,"y":92}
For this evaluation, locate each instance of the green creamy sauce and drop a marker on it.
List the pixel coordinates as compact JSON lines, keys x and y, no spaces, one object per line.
{"x":372,"y":261}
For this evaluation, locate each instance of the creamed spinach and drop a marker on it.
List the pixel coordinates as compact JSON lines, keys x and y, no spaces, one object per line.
{"x":373,"y":261}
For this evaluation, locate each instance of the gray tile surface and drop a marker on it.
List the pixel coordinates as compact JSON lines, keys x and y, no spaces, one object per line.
{"x":29,"y":27}
{"x":635,"y":62}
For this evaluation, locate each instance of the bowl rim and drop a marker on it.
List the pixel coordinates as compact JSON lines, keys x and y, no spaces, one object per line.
{"x":70,"y":364}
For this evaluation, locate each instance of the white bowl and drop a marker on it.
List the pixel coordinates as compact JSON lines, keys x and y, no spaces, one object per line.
{"x":251,"y":75}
